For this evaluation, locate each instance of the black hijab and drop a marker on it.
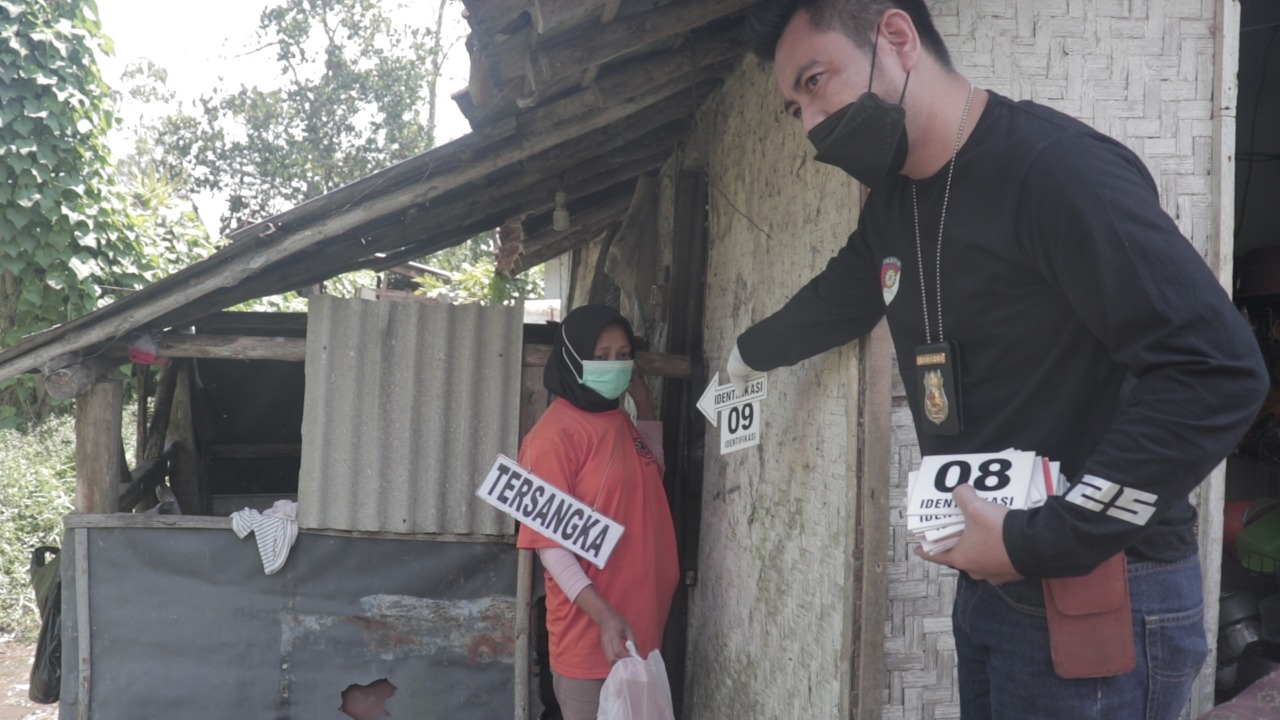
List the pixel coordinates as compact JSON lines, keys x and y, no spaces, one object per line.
{"x":582,"y":328}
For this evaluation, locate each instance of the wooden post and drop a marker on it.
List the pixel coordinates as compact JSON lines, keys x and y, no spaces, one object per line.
{"x":99,"y":452}
{"x":867,"y":528}
{"x":186,"y":475}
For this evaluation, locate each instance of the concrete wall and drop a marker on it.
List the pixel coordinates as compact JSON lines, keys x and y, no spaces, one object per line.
{"x":766,"y":618}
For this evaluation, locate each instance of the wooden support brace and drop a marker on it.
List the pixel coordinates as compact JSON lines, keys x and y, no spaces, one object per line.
{"x":144,"y":479}
{"x":187,"y":476}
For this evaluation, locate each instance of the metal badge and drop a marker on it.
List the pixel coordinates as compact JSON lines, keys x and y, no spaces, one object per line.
{"x":939,"y":376}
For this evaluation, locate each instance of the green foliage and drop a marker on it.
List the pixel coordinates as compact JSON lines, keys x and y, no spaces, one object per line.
{"x":67,"y":241}
{"x":473,"y":278}
{"x":38,"y":473}
{"x":357,"y":95}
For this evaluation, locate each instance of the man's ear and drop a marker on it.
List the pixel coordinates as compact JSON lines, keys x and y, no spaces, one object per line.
{"x":899,"y":33}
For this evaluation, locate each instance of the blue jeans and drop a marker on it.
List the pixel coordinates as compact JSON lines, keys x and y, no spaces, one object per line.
{"x":1002,"y":649}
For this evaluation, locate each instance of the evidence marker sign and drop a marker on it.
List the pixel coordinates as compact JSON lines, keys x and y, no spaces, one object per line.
{"x":740,"y":427}
{"x":736,"y":413}
{"x":549,"y":510}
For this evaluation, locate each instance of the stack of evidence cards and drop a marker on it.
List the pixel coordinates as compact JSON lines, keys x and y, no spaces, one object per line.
{"x":1015,"y":479}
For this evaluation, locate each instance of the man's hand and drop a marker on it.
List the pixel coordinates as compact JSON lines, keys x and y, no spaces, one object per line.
{"x":981,"y":552}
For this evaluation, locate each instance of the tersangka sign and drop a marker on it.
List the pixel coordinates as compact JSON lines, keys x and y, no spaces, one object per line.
{"x":549,"y":510}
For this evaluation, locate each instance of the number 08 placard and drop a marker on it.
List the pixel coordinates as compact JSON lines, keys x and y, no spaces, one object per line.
{"x":1002,"y":478}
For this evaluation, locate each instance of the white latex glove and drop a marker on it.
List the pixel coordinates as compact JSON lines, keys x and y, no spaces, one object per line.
{"x":739,"y":371}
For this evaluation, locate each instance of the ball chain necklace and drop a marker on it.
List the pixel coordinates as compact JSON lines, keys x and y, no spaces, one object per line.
{"x":937,"y":370}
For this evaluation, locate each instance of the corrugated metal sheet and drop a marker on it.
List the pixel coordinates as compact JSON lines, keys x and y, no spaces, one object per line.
{"x":406,"y":406}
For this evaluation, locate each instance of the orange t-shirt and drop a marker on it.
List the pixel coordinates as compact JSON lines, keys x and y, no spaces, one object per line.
{"x":600,"y":459}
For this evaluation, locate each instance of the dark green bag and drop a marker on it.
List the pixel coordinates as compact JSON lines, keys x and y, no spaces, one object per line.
{"x":46,"y":671}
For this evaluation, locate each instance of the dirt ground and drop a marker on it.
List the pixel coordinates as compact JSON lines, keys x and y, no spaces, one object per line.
{"x":15,"y":669}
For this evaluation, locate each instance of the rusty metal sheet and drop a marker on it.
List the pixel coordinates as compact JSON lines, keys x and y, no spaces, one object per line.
{"x":183,"y":623}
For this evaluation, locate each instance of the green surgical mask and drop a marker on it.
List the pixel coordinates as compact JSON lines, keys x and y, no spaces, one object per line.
{"x":610,"y":378}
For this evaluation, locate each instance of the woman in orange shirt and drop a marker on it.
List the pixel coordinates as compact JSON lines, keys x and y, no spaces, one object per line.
{"x":588,"y":446}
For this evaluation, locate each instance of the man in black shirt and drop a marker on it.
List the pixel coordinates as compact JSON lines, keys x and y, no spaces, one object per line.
{"x":1024,"y":262}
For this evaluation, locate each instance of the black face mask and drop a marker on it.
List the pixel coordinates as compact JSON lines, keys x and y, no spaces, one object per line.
{"x":866,"y":138}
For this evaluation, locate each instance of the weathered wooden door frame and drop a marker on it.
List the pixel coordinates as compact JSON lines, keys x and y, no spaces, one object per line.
{"x":867,"y":530}
{"x":1219,"y":255}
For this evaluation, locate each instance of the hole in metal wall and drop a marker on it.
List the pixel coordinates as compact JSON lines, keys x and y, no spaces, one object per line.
{"x":367,"y":702}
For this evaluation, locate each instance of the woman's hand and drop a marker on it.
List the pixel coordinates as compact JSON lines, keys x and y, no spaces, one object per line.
{"x":614,"y":634}
{"x":642,"y":396}
{"x":614,"y":631}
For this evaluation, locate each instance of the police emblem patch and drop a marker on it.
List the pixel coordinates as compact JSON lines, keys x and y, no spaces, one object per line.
{"x":890,"y":273}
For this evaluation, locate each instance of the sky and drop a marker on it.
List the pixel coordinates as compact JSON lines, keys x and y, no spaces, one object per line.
{"x":204,"y":45}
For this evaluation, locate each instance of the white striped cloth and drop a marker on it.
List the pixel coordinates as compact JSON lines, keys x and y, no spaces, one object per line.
{"x":275,"y":531}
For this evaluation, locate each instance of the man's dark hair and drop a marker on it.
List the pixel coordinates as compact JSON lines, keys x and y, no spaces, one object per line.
{"x":856,"y":19}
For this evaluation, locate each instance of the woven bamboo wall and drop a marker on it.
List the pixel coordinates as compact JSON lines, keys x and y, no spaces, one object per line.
{"x":1141,"y":71}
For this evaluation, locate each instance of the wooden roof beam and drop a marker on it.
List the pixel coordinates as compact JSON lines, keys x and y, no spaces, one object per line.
{"x":491,"y":17}
{"x":574,"y":52}
{"x":586,"y":227}
{"x":548,"y":15}
{"x":592,"y":161}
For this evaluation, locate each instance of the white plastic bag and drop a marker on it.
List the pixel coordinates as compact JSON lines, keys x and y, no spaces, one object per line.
{"x":636,"y":689}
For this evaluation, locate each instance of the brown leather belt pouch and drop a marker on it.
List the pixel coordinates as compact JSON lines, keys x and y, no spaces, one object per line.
{"x":1091,"y":622}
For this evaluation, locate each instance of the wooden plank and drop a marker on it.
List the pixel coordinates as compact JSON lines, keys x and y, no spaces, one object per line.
{"x":548,"y":15}
{"x":524,"y":611}
{"x":99,"y":453}
{"x":232,"y":347}
{"x":1209,"y":496}
{"x":570,"y":53}
{"x":210,"y":522}
{"x":490,"y":17}
{"x":143,"y":375}
{"x":84,"y":627}
{"x":144,"y":479}
{"x":647,"y":363}
{"x":867,"y":531}
{"x":186,"y":476}
{"x":134,"y":520}
{"x":600,"y":159}
{"x":159,"y":426}
{"x":228,"y":347}
{"x":535,"y":200}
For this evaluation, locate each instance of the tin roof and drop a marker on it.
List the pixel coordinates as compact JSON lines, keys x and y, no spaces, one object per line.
{"x":406,"y":406}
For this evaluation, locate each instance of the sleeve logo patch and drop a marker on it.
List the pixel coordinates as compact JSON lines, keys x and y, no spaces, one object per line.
{"x":890,"y":273}
{"x":1122,"y":503}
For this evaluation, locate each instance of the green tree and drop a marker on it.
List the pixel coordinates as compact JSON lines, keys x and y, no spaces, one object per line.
{"x":154,"y":185}
{"x":67,"y":241}
{"x":357,"y":94}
